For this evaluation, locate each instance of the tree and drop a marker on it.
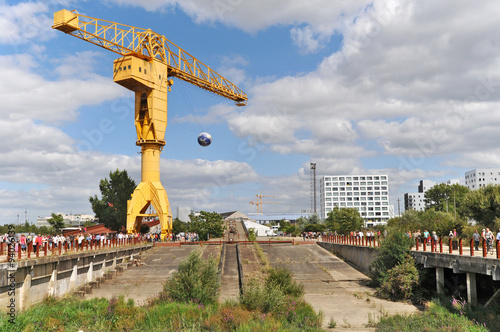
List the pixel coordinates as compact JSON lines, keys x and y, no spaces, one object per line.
{"x":314,"y":219}
{"x":179,"y":226}
{"x":207,"y":224}
{"x":444,"y":197}
{"x":483,"y":205}
{"x":432,"y":220}
{"x":57,"y":222}
{"x":111,"y":209}
{"x":344,"y":220}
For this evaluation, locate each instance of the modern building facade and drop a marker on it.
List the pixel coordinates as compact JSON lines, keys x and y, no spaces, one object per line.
{"x":369,"y":194}
{"x":481,"y":177}
{"x":69,"y":219}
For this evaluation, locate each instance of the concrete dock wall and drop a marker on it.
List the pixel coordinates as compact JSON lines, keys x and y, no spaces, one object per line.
{"x":29,"y":281}
{"x":362,"y":257}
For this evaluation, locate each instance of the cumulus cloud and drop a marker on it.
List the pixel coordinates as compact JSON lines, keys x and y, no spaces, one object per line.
{"x":23,"y":22}
{"x":26,"y":94}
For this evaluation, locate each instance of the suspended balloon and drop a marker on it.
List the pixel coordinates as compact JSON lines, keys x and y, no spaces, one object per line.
{"x":204,"y":139}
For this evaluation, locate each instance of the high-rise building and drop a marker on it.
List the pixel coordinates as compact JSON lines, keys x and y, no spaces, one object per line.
{"x":369,"y":194}
{"x":481,"y":177}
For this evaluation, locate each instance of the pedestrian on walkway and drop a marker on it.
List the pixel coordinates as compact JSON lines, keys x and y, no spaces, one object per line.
{"x":476,"y":236}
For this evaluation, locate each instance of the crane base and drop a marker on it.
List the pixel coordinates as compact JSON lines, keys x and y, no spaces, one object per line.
{"x":148,"y":194}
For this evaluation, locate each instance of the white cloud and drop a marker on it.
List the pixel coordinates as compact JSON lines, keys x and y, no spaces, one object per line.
{"x":24,"y":22}
{"x":25,"y":94}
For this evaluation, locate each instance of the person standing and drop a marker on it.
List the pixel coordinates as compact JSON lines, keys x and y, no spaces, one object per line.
{"x":39,"y":241}
{"x":476,"y":236}
{"x":22,"y":242}
{"x":489,"y":238}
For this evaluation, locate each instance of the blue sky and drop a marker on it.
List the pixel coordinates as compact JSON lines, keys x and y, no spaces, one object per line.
{"x":404,"y":88}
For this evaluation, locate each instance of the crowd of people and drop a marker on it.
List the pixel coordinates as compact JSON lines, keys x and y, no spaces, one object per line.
{"x":77,"y":241}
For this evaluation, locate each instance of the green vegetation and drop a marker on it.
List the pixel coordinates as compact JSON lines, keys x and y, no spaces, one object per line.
{"x":281,"y":297}
{"x":179,"y":226}
{"x":435,"y":318}
{"x":483,"y":205}
{"x":400,"y":281}
{"x":206,"y":225}
{"x":282,"y":278}
{"x":394,"y":249}
{"x":57,"y":222}
{"x":444,"y":197}
{"x":196,"y":280}
{"x":344,"y":220}
{"x":440,"y":222}
{"x":111,"y":209}
{"x":251,"y":235}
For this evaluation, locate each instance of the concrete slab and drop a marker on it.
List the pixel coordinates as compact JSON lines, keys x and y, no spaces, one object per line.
{"x":143,"y":282}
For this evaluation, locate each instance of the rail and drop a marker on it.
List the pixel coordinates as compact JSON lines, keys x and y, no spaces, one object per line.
{"x":10,"y":252}
{"x":433,"y":246}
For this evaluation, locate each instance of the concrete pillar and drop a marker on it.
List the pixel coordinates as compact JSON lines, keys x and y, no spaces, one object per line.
{"x":471,"y":288}
{"x":440,"y":280}
{"x":73,"y":277}
{"x":25,"y":293}
{"x":90,"y":272}
{"x":53,"y":282}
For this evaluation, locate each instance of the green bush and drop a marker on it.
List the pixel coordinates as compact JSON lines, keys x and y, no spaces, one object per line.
{"x":400,"y":281}
{"x":196,"y":281}
{"x":436,"y":318}
{"x":393,"y":250}
{"x":251,"y":234}
{"x":282,"y":277}
{"x":263,"y":298}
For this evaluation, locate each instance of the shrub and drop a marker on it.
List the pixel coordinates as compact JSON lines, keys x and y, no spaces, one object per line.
{"x":282,"y":277}
{"x":251,"y":234}
{"x":196,"y":281}
{"x":399,"y":281}
{"x":263,"y":298}
{"x":393,"y":250}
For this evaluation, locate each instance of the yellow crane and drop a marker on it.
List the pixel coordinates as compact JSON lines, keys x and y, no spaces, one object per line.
{"x":259,"y":202}
{"x":148,"y":63}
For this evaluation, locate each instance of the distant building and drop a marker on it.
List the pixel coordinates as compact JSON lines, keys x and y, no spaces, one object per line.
{"x":260,"y":230}
{"x":263,"y":218}
{"x":369,"y":194}
{"x":481,"y":177}
{"x":183,"y":213}
{"x":69,"y":219}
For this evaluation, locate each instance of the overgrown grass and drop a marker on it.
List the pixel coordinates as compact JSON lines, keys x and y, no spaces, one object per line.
{"x":262,"y":256}
{"x":435,"y":318}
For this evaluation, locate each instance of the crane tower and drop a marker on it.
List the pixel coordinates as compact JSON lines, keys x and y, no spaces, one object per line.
{"x":148,"y":63}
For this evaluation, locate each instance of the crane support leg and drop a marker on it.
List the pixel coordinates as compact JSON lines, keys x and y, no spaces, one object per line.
{"x":149,"y":194}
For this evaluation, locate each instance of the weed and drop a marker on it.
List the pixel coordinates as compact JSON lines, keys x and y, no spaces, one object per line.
{"x":332,"y":324}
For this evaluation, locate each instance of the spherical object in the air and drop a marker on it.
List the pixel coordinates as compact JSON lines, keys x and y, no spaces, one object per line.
{"x":204,"y":139}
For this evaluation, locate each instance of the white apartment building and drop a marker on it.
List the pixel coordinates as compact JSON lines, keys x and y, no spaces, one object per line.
{"x":69,"y":219}
{"x":369,"y":194}
{"x":481,"y":177}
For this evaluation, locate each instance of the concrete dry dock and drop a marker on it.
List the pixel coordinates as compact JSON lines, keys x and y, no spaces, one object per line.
{"x":144,"y":280}
{"x":333,"y":286}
